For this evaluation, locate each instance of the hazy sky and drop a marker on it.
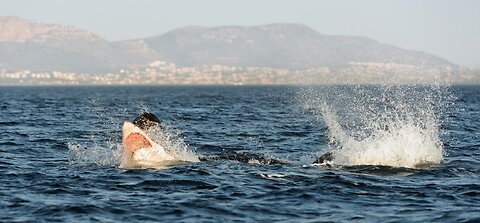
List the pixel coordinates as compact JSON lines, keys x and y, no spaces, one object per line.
{"x":450,"y":29}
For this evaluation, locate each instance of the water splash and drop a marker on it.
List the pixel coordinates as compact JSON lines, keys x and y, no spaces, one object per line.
{"x":105,"y":146}
{"x":171,"y":139}
{"x":111,"y":153}
{"x":95,"y":155}
{"x":390,"y":125}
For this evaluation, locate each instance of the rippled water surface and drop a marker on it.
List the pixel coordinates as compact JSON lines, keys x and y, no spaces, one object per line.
{"x":59,"y":158}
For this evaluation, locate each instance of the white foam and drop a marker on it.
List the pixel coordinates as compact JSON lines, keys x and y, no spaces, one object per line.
{"x":390,"y":126}
{"x":403,"y":144}
{"x":95,"y":155}
{"x":171,"y":139}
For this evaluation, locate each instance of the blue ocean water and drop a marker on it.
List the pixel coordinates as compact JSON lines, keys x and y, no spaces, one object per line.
{"x":59,"y":155}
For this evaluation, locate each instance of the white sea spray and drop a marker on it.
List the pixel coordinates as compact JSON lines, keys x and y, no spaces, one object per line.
{"x":391,"y":125}
{"x":106,"y":149}
{"x":171,"y":139}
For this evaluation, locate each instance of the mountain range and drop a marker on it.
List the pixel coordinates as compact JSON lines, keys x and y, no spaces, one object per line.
{"x":34,"y":46}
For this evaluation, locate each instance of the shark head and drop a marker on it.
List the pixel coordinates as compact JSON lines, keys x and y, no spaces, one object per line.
{"x":146,"y":120}
{"x":137,"y":144}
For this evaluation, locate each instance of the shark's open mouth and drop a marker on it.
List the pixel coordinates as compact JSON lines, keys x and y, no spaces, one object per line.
{"x":138,"y":146}
{"x":135,"y":141}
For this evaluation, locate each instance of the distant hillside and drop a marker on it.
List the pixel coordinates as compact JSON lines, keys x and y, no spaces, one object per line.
{"x":278,"y":45}
{"x":29,"y":45}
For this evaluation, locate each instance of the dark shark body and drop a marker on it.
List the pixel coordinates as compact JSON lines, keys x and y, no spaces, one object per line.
{"x":244,"y":158}
{"x":147,"y":120}
{"x":324,"y":159}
